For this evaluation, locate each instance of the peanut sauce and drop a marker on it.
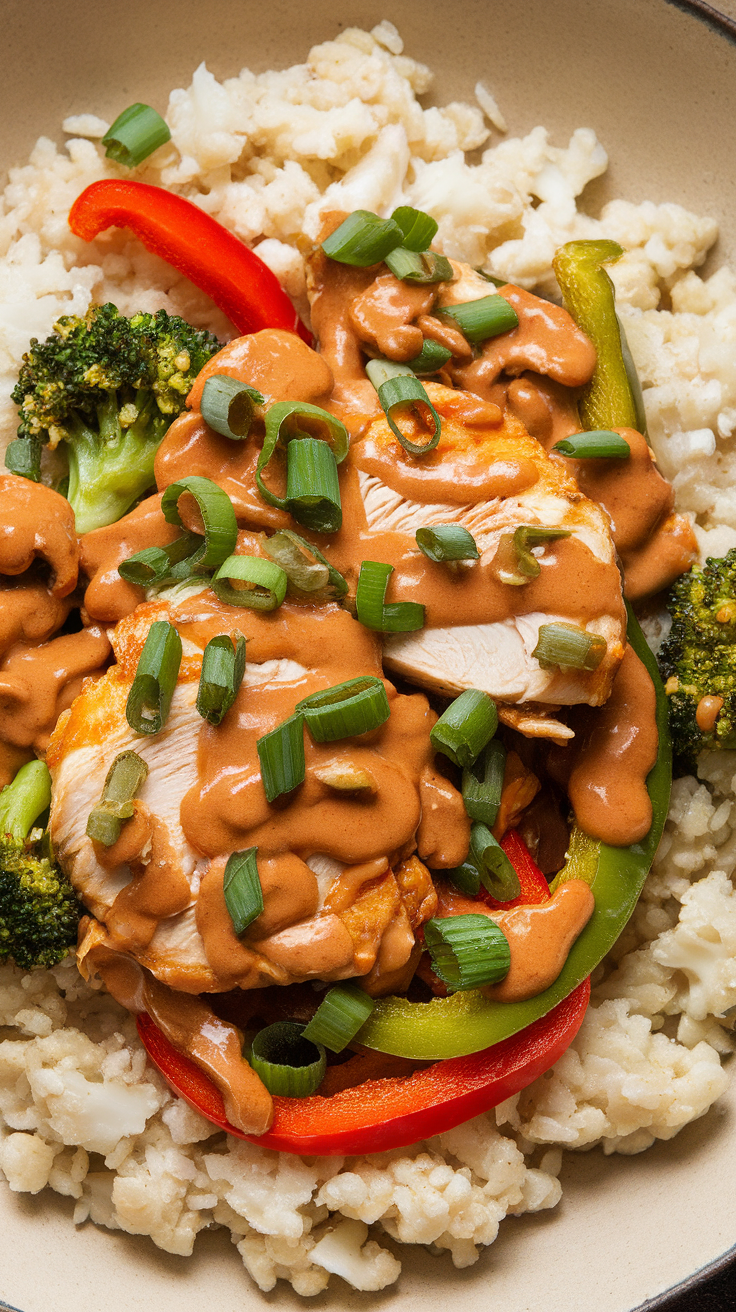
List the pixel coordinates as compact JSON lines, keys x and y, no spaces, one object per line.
{"x":398,"y":812}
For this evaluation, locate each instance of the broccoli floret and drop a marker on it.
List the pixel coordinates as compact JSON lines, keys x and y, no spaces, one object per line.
{"x":108,"y":387}
{"x":698,"y":658}
{"x":38,"y":910}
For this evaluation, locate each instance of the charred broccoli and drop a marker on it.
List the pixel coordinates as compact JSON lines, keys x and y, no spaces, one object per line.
{"x":108,"y":387}
{"x":698,"y":659}
{"x":38,"y":910}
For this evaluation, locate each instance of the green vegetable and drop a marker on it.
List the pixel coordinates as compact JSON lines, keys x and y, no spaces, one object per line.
{"x":418,"y":229}
{"x":316,"y":443}
{"x":345,"y":710}
{"x":223,"y":667}
{"x":339,"y":1016}
{"x":486,"y":317}
{"x":599,"y":445}
{"x":265,"y":583}
{"x":482,"y":783}
{"x":125,"y":776}
{"x":289,"y":1065}
{"x":467,"y":951}
{"x":134,"y":135}
{"x":149,"y":699}
{"x":607,"y":400}
{"x":303,"y":563}
{"x":514,"y":561}
{"x":420,"y":268}
{"x":447,"y":542}
{"x":39,"y":912}
{"x":400,"y":390}
{"x":467,"y":1022}
{"x":242,"y":889}
{"x":108,"y":388}
{"x":229,"y":406}
{"x":463,"y":730}
{"x":698,"y":657}
{"x":431,"y":358}
{"x":372,"y":609}
{"x":363,"y":239}
{"x":569,"y":646}
{"x":496,"y":872}
{"x":281,"y":754}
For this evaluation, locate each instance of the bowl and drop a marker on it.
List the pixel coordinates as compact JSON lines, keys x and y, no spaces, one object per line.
{"x":657,"y":81}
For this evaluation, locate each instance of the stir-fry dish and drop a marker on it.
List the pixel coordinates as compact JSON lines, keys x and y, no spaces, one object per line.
{"x":330,"y":740}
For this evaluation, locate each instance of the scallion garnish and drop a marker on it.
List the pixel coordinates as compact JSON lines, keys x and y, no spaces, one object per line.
{"x":514,"y":562}
{"x":23,"y":457}
{"x":134,"y":135}
{"x":345,"y":710}
{"x":399,"y":388}
{"x":463,"y":730}
{"x":149,"y":699}
{"x":497,"y":874}
{"x":242,"y":888}
{"x":263,"y":583}
{"x":482,"y":783}
{"x":371,"y":607}
{"x":223,"y":667}
{"x":281,"y":754}
{"x":363,"y":239}
{"x":418,"y":229}
{"x":229,"y":406}
{"x":125,"y":776}
{"x":467,"y":951}
{"x":339,"y":1016}
{"x":303,"y":563}
{"x":431,"y":358}
{"x":419,"y":267}
{"x":600,"y":444}
{"x":466,"y":878}
{"x":154,"y":566}
{"x":478,"y":320}
{"x":289,"y":1065}
{"x":218,"y":518}
{"x":312,"y":487}
{"x":569,"y":646}
{"x":447,"y":542}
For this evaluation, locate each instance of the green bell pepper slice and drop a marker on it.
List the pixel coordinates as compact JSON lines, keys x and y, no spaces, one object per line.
{"x":466,"y":1022}
{"x":612,"y":398}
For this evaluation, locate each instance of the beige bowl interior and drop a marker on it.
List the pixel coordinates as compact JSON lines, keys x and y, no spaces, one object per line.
{"x":658,"y":84}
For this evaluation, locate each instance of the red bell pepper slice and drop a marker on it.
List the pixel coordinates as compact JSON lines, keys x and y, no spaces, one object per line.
{"x":391,"y":1113}
{"x":215,"y":260}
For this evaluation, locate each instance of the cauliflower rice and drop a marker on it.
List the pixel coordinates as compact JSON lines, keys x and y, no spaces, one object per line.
{"x":81,"y":1109}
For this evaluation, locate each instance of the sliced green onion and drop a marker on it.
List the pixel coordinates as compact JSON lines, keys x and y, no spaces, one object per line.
{"x":447,"y":542}
{"x":569,"y":646}
{"x":371,"y":608}
{"x":264,"y":583}
{"x":229,"y":406}
{"x":223,"y":667}
{"x":497,"y":874}
{"x":482,"y":783}
{"x":483,"y":318}
{"x":23,"y":457}
{"x":281,"y":754}
{"x":421,"y":268}
{"x":312,"y":486}
{"x":134,"y":135}
{"x":303,"y":563}
{"x":600,"y":444}
{"x":125,"y":776}
{"x":397,"y":386}
{"x":25,"y":800}
{"x":431,"y":358}
{"x":467,"y":951}
{"x":218,"y":517}
{"x":466,"y":878}
{"x":463,"y":730}
{"x":490,"y":277}
{"x":363,"y":239}
{"x":155,"y":565}
{"x":339,"y":1016}
{"x":345,"y":710}
{"x":242,"y":888}
{"x":514,"y":562}
{"x":312,"y":490}
{"x":149,"y":699}
{"x":287,"y":1063}
{"x":418,"y":229}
